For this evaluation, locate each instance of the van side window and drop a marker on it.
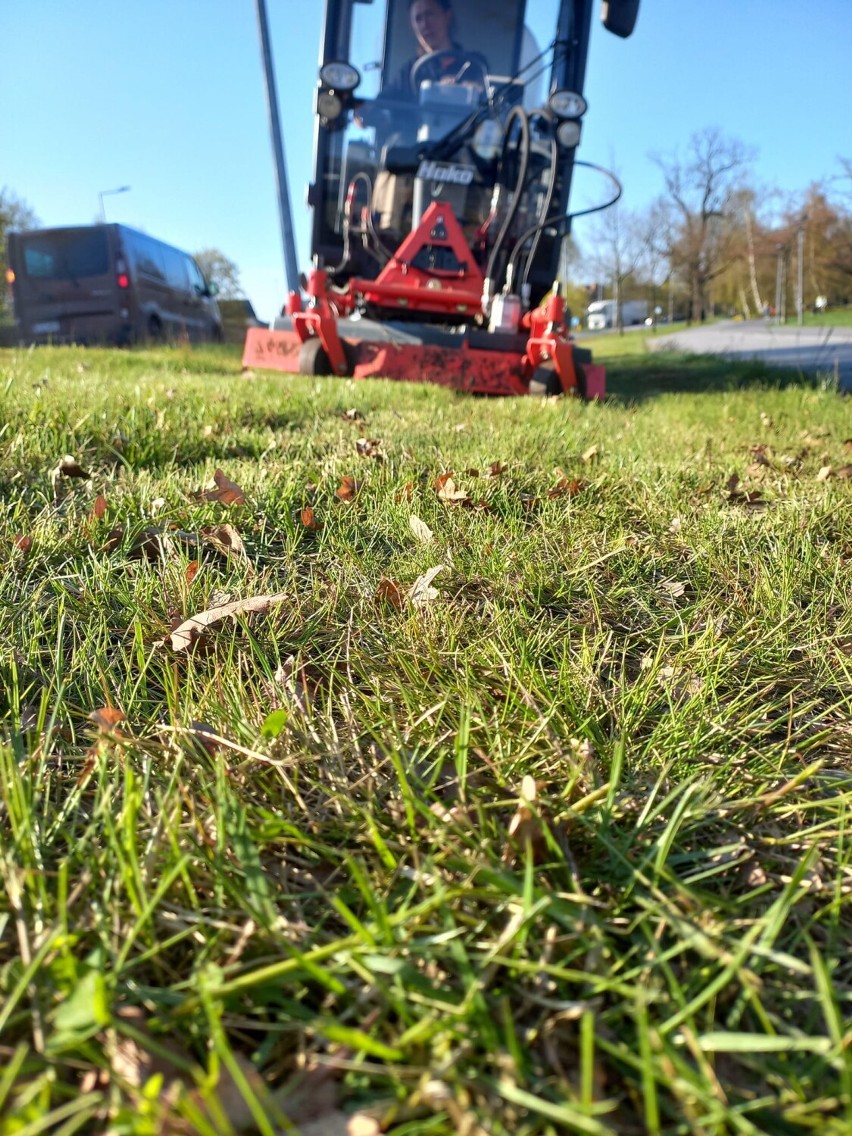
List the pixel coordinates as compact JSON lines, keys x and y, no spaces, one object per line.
{"x":196,"y":280}
{"x":148,"y":259}
{"x":174,"y":263}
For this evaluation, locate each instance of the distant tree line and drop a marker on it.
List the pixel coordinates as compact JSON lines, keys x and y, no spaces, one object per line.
{"x":715,"y":240}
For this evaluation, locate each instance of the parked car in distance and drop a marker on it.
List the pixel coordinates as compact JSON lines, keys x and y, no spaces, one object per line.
{"x":237,"y":316}
{"x":107,"y":284}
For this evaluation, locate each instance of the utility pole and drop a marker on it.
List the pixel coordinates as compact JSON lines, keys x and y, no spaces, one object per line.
{"x":291,"y":271}
{"x":779,"y":280}
{"x":800,"y":277}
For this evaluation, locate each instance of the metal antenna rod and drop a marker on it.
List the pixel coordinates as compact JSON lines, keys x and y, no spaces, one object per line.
{"x":291,"y":270}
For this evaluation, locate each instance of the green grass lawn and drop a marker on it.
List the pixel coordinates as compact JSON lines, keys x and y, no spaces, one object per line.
{"x":519,"y":805}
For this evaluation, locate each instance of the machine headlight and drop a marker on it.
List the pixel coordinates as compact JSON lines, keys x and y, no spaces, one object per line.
{"x":329,"y":105}
{"x":567,"y":104}
{"x":568,"y":134}
{"x":340,"y":76}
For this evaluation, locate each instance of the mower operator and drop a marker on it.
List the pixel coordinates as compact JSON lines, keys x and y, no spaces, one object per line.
{"x":439,"y":58}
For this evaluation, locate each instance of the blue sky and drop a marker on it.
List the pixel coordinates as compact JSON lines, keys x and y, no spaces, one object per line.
{"x":166,"y":96}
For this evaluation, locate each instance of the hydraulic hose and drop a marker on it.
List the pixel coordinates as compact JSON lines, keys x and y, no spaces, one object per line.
{"x":559,"y":220}
{"x":517,"y":112}
{"x":545,"y":208}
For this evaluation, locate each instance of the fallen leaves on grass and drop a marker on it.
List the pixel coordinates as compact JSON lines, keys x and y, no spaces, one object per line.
{"x":187,"y":633}
{"x":226,"y":540}
{"x":567,"y":487}
{"x":419,"y":594}
{"x":348,"y":489}
{"x":147,"y":543}
{"x":421,"y":591}
{"x":390,"y":592}
{"x":420,"y":529}
{"x":99,"y":508}
{"x":22,"y":544}
{"x":448,"y":491}
{"x":370,"y":448}
{"x":590,"y":455}
{"x":842,"y":473}
{"x":309,"y":520}
{"x":70,"y":467}
{"x":106,"y":718}
{"x":738,"y":496}
{"x":223,"y":490}
{"x":352,"y":415}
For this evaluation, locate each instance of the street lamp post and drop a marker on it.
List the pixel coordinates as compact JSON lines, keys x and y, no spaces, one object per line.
{"x":103,"y":193}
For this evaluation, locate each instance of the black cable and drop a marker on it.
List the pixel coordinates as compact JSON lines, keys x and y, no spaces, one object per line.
{"x":521,"y":115}
{"x":558,"y":220}
{"x":548,"y":198}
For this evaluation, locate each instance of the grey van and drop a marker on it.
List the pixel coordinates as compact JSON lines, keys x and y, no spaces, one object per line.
{"x":107,"y":284}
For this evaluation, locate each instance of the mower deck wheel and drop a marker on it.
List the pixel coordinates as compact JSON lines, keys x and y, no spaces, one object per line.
{"x":313,"y":359}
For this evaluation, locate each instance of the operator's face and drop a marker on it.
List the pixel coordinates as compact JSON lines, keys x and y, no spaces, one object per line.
{"x":431,"y":25}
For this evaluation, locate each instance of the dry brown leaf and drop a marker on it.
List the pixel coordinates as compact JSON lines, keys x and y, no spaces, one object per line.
{"x":106,"y":719}
{"x":352,"y":415}
{"x":369,"y":448}
{"x":186,"y":634}
{"x":447,"y":491}
{"x":69,"y":467}
{"x":590,"y":455}
{"x":825,"y":473}
{"x":225,"y":539}
{"x":496,"y":469}
{"x":389,"y":591}
{"x":348,"y":489}
{"x":405,"y":492}
{"x":309,"y":520}
{"x":23,"y":544}
{"x":99,"y":508}
{"x":223,"y":490}
{"x":420,"y":529}
{"x":191,"y":571}
{"x":421,"y":591}
{"x":146,"y":543}
{"x":843,"y":472}
{"x":567,"y":487}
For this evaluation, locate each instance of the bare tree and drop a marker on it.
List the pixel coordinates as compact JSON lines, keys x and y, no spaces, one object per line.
{"x":620,"y":243}
{"x":702,"y":188}
{"x":218,"y":269}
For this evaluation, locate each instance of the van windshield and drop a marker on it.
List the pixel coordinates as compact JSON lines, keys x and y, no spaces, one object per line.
{"x":70,"y":255}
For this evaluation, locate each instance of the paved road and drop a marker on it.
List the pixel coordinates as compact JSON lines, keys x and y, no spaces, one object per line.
{"x":826,"y":350}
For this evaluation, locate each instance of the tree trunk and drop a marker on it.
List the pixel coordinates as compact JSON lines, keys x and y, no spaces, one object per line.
{"x":752,"y":268}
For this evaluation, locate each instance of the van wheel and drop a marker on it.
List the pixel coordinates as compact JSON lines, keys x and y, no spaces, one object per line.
{"x":155,"y":329}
